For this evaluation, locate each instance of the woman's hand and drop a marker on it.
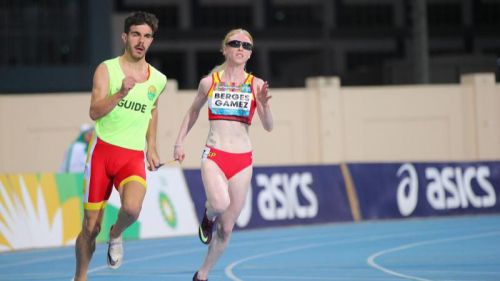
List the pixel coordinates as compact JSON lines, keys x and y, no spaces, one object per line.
{"x":179,"y":153}
{"x":263,"y":95}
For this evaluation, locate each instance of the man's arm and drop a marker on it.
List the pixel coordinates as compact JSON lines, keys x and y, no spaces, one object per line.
{"x":100,"y":103}
{"x":151,"y":152}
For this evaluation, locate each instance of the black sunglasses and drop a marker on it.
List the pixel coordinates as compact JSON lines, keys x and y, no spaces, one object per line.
{"x":237,"y":43}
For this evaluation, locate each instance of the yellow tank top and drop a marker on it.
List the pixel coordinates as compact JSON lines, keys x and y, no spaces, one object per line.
{"x":126,"y":125}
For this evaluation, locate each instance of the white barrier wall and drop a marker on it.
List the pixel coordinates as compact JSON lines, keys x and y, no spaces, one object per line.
{"x":321,"y":123}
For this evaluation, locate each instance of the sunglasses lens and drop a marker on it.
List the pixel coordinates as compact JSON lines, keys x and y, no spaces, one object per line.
{"x":237,"y":44}
{"x":247,"y":46}
{"x":234,"y":44}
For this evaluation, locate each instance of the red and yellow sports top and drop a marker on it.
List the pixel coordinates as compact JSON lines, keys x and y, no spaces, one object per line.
{"x":228,"y":101}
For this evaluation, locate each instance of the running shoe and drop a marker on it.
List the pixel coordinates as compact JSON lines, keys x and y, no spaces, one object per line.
{"x":115,"y":252}
{"x":205,"y":229}
{"x":195,"y":277}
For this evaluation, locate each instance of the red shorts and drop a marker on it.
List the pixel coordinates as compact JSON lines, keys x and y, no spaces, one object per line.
{"x":109,"y":165}
{"x":229,"y":163}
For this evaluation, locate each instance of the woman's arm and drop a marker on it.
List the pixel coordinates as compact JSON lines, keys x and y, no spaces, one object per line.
{"x":191,"y":117}
{"x":263,"y":107}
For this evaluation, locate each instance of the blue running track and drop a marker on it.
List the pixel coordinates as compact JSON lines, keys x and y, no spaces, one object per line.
{"x":430,"y":249}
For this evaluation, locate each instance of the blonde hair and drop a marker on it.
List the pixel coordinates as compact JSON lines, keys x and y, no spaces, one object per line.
{"x":224,"y":42}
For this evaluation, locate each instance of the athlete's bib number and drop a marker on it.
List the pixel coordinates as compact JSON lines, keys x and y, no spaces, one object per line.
{"x":236,"y":103}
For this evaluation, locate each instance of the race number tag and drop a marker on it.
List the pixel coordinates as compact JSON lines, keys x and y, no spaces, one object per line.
{"x":232,"y":100}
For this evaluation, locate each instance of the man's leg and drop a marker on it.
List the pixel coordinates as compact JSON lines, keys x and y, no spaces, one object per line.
{"x":85,"y":242}
{"x":131,"y":197}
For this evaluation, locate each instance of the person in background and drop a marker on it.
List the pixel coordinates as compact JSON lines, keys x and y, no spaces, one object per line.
{"x":123,"y":103}
{"x":233,"y":95}
{"x":76,"y":154}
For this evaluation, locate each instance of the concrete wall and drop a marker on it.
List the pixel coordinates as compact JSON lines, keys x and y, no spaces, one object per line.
{"x":322,"y":123}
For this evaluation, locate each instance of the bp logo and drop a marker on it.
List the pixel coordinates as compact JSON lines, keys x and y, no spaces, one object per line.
{"x":167,"y":210}
{"x":151,"y":93}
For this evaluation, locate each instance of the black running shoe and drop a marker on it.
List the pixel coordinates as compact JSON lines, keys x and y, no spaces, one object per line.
{"x":195,"y":277}
{"x":205,"y":229}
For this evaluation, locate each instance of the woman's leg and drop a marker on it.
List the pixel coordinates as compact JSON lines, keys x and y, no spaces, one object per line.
{"x":216,"y":188}
{"x":236,"y":190}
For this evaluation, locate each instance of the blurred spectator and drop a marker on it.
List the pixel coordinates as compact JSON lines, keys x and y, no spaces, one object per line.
{"x":76,"y":154}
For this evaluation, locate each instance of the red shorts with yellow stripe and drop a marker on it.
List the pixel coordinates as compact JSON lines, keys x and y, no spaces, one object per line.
{"x":107,"y":166}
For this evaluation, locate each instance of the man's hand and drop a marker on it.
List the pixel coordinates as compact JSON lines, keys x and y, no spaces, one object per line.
{"x":127,"y":84}
{"x":153,"y":160}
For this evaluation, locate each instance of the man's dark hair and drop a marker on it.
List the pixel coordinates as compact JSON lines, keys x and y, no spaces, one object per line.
{"x":140,"y":17}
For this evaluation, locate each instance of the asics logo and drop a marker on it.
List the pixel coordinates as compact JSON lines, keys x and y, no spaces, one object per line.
{"x":445,"y":187}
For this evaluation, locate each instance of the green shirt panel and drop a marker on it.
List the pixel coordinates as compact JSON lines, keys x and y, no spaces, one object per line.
{"x":127,"y":124}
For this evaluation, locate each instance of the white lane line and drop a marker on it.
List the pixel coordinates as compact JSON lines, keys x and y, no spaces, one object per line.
{"x":309,"y":278}
{"x":141,"y":245}
{"x":371,"y":259}
{"x":240,"y":245}
{"x":137,"y":246}
{"x":151,"y":257}
{"x":101,"y":249}
{"x":192,"y":250}
{"x":39,"y":260}
{"x":229,"y":268}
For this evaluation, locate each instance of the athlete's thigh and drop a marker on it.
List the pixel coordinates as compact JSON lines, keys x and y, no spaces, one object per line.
{"x":214,"y":181}
{"x":97,"y":182}
{"x":132,"y":194}
{"x":131,"y":182}
{"x":238,"y":189}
